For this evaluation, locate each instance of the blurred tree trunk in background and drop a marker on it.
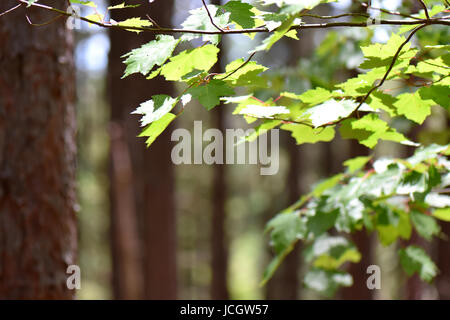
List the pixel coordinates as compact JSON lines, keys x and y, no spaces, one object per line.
{"x":363,"y":241}
{"x":219,"y":247}
{"x":415,"y":288}
{"x":126,"y":257}
{"x":152,"y":173}
{"x":285,"y":284}
{"x":38,"y":236}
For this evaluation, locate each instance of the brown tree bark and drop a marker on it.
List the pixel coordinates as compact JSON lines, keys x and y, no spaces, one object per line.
{"x":219,"y":247}
{"x":285,"y":284}
{"x":152,"y":169}
{"x":38,"y":236}
{"x":126,"y":249}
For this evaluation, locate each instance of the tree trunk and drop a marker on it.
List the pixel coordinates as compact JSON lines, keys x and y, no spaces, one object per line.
{"x":152,"y":169}
{"x":219,"y":289}
{"x":286,"y":284}
{"x":219,"y":248}
{"x":362,"y":240}
{"x":127,"y":263}
{"x":38,"y":236}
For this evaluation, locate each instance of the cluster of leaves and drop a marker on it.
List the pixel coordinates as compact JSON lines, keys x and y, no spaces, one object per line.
{"x":313,"y":115}
{"x":390,"y":198}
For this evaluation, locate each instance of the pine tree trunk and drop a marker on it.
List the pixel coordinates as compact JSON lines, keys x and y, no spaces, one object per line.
{"x":38,"y":236}
{"x":219,"y":265}
{"x":219,"y":248}
{"x":152,"y":169}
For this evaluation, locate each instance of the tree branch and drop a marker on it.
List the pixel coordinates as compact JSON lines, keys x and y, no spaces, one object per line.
{"x":210,"y":17}
{"x":425,"y":9}
{"x":10,"y":10}
{"x":240,"y":67}
{"x":437,"y":21}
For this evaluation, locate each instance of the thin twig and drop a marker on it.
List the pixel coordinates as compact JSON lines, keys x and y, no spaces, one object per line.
{"x":153,"y":21}
{"x":437,"y":21}
{"x":425,"y":9}
{"x":45,"y":23}
{"x":391,"y":66}
{"x":10,"y":10}
{"x":334,"y":17}
{"x":210,"y":17}
{"x":240,"y":67}
{"x":394,"y":13}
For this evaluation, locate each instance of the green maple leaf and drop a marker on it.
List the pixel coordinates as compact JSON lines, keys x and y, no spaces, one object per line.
{"x":437,"y":65}
{"x":123,"y":5}
{"x":154,"y":53}
{"x":259,"y":111}
{"x":153,"y":130}
{"x":84,"y":3}
{"x":304,"y":134}
{"x":199,"y":20}
{"x":295,"y":6}
{"x":285,"y":230}
{"x":248,"y":75}
{"x":209,"y":94}
{"x":385,"y":51}
{"x":135,"y":22}
{"x":413,"y":107}
{"x":389,"y":231}
{"x":279,"y":33}
{"x":440,"y":94}
{"x":356,"y":164}
{"x":369,"y":129}
{"x":330,"y":252}
{"x":414,"y":259}
{"x":327,"y":282}
{"x":442,"y":214}
{"x":240,"y":13}
{"x":425,"y":225}
{"x":361,"y":84}
{"x":379,"y":100}
{"x":262,"y":128}
{"x":155,"y":109}
{"x":201,"y":58}
{"x":333,"y":110}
